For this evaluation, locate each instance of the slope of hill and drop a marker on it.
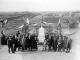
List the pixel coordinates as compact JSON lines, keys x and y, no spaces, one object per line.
{"x":16,"y":19}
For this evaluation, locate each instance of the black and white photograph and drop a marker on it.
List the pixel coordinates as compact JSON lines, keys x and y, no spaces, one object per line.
{"x":39,"y":29}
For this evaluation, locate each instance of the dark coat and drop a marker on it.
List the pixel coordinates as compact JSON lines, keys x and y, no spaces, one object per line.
{"x":3,"y":40}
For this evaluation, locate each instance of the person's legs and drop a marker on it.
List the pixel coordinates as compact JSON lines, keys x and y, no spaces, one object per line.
{"x":12,"y":48}
{"x":9,"y":48}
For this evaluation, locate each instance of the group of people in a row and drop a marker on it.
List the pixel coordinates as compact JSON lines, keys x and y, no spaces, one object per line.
{"x":22,"y":42}
{"x":55,"y":42}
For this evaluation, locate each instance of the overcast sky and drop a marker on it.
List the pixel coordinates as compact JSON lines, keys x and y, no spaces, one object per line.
{"x":39,"y":5}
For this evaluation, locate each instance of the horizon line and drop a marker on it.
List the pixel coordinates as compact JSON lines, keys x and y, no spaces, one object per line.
{"x":40,"y":11}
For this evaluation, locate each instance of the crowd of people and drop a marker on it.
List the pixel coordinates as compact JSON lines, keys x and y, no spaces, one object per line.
{"x":21,"y":42}
{"x":58,"y":43}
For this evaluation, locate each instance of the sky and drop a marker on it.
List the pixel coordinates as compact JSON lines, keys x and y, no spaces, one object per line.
{"x":39,"y":5}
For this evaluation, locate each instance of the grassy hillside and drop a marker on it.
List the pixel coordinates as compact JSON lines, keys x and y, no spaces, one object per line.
{"x":16,"y":19}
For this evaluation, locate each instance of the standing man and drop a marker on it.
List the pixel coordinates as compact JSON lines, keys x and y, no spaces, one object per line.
{"x":17,"y":34}
{"x":10,"y":45}
{"x":15,"y":43}
{"x":3,"y":38}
